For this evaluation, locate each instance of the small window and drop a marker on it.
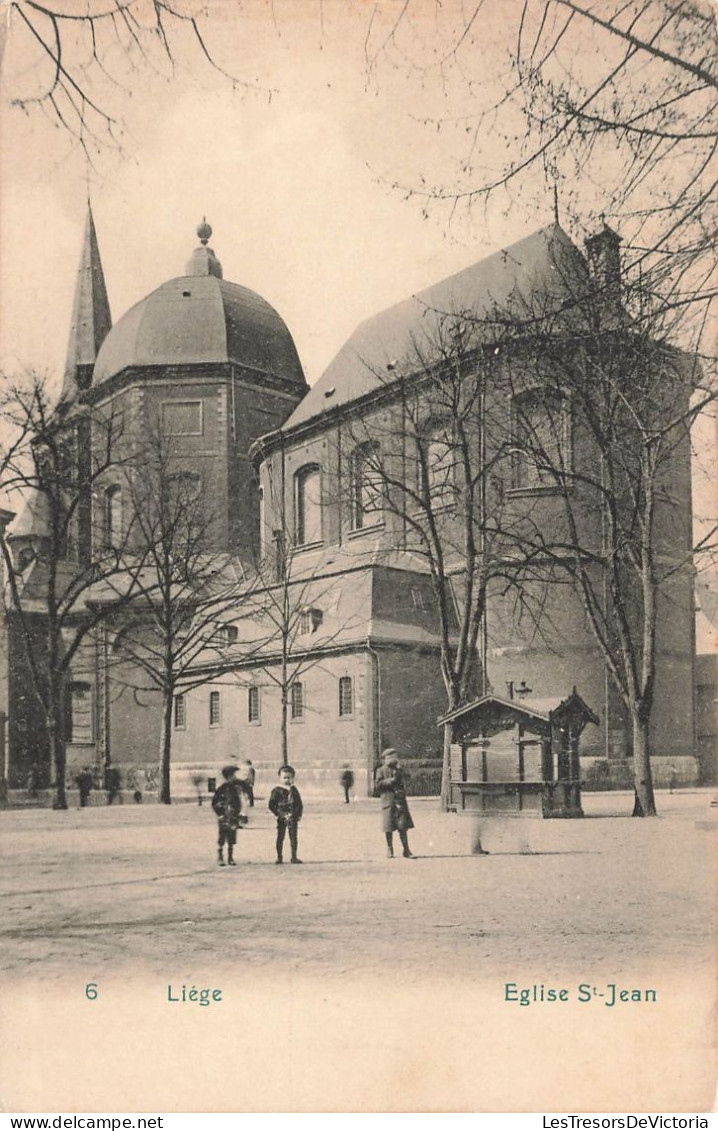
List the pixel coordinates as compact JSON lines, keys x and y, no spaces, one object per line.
{"x":184,"y":488}
{"x":214,"y":709}
{"x":253,"y":712}
{"x":417,"y":599}
{"x":80,"y":714}
{"x":180,"y":712}
{"x":225,"y":636}
{"x":346,"y":696}
{"x":297,"y":700}
{"x":182,"y":418}
{"x":309,"y":621}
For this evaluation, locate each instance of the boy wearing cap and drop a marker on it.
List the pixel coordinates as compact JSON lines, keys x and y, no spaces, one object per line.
{"x":395,"y":815}
{"x":227,"y":804}
{"x":286,"y":803}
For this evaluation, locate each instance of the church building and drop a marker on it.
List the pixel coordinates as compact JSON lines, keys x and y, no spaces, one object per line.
{"x":352,"y":664}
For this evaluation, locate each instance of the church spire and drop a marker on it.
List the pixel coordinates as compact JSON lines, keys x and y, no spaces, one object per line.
{"x":91,"y":320}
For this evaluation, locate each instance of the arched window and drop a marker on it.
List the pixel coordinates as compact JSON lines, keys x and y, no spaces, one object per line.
{"x":439,"y":461}
{"x":308,"y":505}
{"x":366,"y":486}
{"x":112,"y":518}
{"x":541,"y":435}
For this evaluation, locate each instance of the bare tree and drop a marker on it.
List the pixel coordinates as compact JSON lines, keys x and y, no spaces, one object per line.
{"x":290,"y":605}
{"x":68,"y":60}
{"x":428,"y":465}
{"x":615,"y":101}
{"x":602,"y":412}
{"x":57,"y":461}
{"x":172,"y":629}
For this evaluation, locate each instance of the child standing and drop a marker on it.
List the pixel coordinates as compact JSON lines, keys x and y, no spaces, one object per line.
{"x":227,"y":804}
{"x":286,"y":803}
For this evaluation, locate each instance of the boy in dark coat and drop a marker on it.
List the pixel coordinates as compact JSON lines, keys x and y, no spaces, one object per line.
{"x":395,"y":816}
{"x":227,"y":804}
{"x":286,"y":803}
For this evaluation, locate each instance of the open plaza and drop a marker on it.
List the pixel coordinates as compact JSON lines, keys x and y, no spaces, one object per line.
{"x":357,"y":982}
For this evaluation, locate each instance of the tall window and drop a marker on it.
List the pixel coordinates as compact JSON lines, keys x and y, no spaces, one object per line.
{"x":253,"y":705}
{"x":112,"y":517}
{"x":180,"y":712}
{"x":440,"y":462}
{"x":214,"y":709}
{"x":541,"y":428}
{"x":297,"y":691}
{"x":308,"y":506}
{"x":262,"y":522}
{"x":366,"y":486}
{"x":80,"y":714}
{"x":346,"y":696}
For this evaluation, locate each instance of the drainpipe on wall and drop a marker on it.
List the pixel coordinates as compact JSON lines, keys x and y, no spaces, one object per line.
{"x":376,"y":711}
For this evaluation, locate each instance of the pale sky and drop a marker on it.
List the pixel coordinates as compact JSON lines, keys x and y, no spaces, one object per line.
{"x":296,"y":188}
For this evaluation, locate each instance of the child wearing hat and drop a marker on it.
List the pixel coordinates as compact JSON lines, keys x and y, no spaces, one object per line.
{"x":395,"y":815}
{"x":227,"y":804}
{"x":286,"y":803}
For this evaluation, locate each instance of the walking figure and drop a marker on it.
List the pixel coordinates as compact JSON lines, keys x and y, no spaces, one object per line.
{"x":346,"y":781}
{"x":249,"y":776}
{"x":227,"y":804}
{"x":83,"y":780}
{"x":286,"y":803}
{"x":389,"y":785}
{"x":113,"y":784}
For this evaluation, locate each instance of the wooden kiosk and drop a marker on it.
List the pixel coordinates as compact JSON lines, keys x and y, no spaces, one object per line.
{"x":518,"y":756}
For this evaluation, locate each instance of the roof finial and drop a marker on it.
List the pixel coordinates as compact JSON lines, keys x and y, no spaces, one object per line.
{"x":555,"y":201}
{"x":204,"y":261}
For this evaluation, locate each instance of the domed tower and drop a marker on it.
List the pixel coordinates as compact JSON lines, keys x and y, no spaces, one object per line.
{"x":213,"y":365}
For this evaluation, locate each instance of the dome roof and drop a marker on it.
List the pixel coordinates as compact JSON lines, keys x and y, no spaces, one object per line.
{"x":199,"y":319}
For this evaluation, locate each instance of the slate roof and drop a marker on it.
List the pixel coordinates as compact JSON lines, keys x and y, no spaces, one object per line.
{"x":545,"y":263}
{"x":194,"y":320}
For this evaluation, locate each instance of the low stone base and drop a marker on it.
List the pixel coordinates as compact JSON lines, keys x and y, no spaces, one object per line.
{"x":617,"y":773}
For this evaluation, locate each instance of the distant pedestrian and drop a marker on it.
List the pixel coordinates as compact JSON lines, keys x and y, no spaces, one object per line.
{"x":227,"y":804}
{"x":137,"y":797}
{"x":390,"y":786}
{"x":285,"y":802}
{"x":346,"y":781}
{"x":113,"y":784}
{"x":248,"y":779}
{"x":33,"y":782}
{"x":83,"y":781}
{"x":672,"y":778}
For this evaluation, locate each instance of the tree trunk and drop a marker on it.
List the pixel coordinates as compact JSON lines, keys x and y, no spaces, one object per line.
{"x":56,"y":741}
{"x":644,"y":801}
{"x":166,"y":748}
{"x":57,"y":756}
{"x":283,"y":727}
